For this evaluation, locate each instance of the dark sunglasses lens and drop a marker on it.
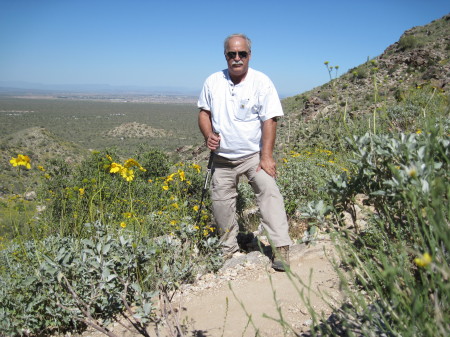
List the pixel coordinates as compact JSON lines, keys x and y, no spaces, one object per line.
{"x":242,"y":54}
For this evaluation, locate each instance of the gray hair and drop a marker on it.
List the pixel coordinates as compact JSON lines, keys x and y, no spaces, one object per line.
{"x":245,"y":37}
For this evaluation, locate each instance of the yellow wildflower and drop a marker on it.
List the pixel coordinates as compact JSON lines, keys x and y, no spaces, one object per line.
{"x":127,"y":174}
{"x":81,"y":191}
{"x":197,"y":167}
{"x":165,"y":187}
{"x":182,"y":176}
{"x":127,"y":214}
{"x":423,"y":261}
{"x":130,"y":162}
{"x":173,"y":222}
{"x":195,"y":208}
{"x":21,"y":160}
{"x":423,"y":211}
{"x":109,"y":157}
{"x":114,"y":168}
{"x":175,"y":205}
{"x":41,"y":168}
{"x":419,"y":132}
{"x":412,"y":172}
{"x":123,"y":224}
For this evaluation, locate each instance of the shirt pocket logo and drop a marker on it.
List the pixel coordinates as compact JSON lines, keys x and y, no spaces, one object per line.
{"x":246,"y":110}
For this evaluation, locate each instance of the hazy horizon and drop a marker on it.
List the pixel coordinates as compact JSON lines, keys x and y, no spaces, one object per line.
{"x":175,"y":45}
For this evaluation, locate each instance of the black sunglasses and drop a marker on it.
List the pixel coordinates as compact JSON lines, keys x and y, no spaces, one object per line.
{"x":232,"y":54}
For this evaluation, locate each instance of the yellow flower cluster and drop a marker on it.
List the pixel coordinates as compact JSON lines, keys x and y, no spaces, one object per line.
{"x":169,"y":178}
{"x":196,"y":167}
{"x":125,"y":170}
{"x":423,"y":261}
{"x":21,"y":160}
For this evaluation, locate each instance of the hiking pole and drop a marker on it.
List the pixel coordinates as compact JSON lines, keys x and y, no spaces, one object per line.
{"x":205,"y":185}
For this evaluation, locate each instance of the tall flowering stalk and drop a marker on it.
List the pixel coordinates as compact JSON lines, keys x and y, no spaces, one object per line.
{"x":127,"y":173}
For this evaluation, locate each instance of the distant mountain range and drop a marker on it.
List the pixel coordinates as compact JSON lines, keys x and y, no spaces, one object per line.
{"x":40,"y":88}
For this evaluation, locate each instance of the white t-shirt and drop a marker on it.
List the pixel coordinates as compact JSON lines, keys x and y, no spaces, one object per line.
{"x":237,"y":111}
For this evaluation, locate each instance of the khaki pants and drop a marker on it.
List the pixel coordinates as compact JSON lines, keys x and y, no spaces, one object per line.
{"x":224,"y":183}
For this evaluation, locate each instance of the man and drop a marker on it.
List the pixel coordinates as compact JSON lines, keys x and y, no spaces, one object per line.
{"x":238,"y":114}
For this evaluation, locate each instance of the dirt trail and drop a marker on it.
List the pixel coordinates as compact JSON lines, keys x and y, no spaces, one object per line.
{"x":257,"y":287}
{"x":214,"y":305}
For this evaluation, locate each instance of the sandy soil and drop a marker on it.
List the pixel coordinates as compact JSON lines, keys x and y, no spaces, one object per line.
{"x":257,"y":290}
{"x":221,"y":304}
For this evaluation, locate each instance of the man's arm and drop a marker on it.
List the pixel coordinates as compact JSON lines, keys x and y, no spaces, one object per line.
{"x":269,"y":131}
{"x":212,"y":140}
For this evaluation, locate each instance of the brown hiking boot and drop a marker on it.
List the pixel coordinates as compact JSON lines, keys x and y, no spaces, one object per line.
{"x":281,"y":258}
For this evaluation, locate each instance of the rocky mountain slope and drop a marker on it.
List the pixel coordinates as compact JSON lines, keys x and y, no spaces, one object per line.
{"x":421,"y":57}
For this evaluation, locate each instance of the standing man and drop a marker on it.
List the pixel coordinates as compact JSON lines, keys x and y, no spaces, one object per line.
{"x":239,"y":107}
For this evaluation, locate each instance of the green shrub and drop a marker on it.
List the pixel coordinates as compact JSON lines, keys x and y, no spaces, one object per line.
{"x":303,"y":176}
{"x":397,"y":280}
{"x":409,"y":42}
{"x":156,"y":163}
{"x":63,"y":283}
{"x":360,"y":73}
{"x":118,"y":193}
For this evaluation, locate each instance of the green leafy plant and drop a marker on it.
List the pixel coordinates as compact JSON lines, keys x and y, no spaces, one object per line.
{"x":400,"y":259}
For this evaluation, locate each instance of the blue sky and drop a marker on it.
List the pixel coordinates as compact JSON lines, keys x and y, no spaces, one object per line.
{"x":179,"y":43}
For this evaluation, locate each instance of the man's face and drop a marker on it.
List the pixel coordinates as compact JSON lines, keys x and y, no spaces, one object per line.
{"x":237,"y":64}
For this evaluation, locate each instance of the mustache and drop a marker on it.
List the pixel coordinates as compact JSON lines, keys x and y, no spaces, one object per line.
{"x":237,"y":62}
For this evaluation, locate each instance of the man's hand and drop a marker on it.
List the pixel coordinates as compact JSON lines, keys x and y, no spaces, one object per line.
{"x":213,"y":141}
{"x":268,"y":165}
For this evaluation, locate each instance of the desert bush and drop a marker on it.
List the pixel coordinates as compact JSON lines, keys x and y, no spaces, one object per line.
{"x":360,"y":72}
{"x":64,"y":283}
{"x":155,"y":161}
{"x":416,"y":106}
{"x":398,"y":267}
{"x":102,"y":188}
{"x":409,"y":42}
{"x":304,"y":174}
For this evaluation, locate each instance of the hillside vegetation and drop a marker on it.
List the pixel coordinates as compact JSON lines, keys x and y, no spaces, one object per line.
{"x":87,"y":237}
